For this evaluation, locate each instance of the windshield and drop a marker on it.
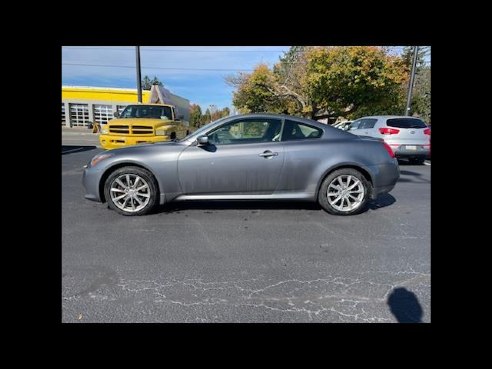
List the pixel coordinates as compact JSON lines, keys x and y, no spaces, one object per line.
{"x":406,"y":123}
{"x":147,"y":111}
{"x":202,"y":130}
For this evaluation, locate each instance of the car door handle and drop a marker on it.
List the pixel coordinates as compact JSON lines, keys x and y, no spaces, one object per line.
{"x":268,"y":154}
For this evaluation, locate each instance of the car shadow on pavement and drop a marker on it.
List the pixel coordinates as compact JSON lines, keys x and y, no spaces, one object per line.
{"x":236,"y":205}
{"x":405,"y":306}
{"x":416,"y":175}
{"x":175,"y":207}
{"x":69,"y":149}
{"x":405,"y":162}
{"x":382,"y":201}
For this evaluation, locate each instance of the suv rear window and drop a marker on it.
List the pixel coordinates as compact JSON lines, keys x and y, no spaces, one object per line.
{"x":405,"y":123}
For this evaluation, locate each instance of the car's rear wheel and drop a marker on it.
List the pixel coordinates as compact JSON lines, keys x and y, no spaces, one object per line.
{"x":131,"y":191}
{"x":344,"y":192}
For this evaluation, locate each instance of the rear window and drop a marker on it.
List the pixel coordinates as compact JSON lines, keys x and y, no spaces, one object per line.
{"x":405,"y":123}
{"x":298,"y":131}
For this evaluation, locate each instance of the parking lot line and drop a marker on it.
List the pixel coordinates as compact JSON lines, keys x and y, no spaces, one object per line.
{"x":73,"y":150}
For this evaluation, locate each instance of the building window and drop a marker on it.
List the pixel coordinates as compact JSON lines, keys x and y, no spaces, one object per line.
{"x":79,"y":115}
{"x":103,"y":113}
{"x":64,"y":121}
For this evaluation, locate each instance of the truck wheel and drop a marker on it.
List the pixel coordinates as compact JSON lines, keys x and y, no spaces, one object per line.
{"x":131,"y":191}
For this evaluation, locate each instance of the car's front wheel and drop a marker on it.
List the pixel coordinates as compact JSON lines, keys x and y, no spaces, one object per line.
{"x":131,"y":191}
{"x":344,"y":192}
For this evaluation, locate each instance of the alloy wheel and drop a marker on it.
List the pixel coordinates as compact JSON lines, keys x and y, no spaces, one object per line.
{"x":130,"y":192}
{"x":345,"y":193}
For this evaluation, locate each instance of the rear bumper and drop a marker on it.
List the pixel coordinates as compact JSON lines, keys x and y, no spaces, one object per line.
{"x":109,"y":142}
{"x":385,"y":179}
{"x":411,"y":151}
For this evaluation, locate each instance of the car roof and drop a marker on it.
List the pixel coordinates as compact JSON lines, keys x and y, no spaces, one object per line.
{"x":280,"y":116}
{"x":327,"y":128}
{"x":388,"y":116}
{"x":150,"y":104}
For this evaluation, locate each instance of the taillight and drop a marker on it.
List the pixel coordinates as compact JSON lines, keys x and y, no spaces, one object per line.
{"x":388,"y":149}
{"x":388,"y":131}
{"x":427,"y":131}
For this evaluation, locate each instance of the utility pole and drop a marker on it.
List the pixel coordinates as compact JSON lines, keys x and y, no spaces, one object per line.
{"x":139,"y":79}
{"x":412,"y":78}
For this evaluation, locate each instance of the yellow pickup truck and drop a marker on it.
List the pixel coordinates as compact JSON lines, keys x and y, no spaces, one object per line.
{"x":142,"y":123}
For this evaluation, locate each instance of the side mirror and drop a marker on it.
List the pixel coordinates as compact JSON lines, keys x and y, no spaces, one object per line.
{"x":202,"y":140}
{"x":116,"y":114}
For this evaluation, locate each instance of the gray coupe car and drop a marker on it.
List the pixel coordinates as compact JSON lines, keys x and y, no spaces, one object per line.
{"x":247,"y":157}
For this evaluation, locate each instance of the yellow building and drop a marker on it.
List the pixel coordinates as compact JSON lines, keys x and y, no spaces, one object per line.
{"x":81,"y":104}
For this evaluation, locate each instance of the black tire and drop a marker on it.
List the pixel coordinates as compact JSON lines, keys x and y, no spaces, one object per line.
{"x":145,"y":178}
{"x":365,"y":196}
{"x":416,"y":161}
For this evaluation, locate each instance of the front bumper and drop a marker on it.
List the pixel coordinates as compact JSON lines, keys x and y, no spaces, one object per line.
{"x":109,"y":142}
{"x":90,"y":180}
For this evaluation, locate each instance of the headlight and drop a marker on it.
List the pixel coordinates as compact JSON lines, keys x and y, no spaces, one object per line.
{"x":104,"y":131}
{"x":98,"y":158}
{"x":161,"y":132}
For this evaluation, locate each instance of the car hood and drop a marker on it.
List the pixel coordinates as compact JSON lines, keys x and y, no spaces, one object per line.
{"x":148,"y":148}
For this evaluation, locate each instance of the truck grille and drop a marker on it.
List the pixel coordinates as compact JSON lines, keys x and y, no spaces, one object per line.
{"x":131,"y":130}
{"x":142,"y":130}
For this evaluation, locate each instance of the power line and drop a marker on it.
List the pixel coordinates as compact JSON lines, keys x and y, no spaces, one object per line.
{"x":217,"y":51}
{"x":176,"y":50}
{"x":165,"y":68}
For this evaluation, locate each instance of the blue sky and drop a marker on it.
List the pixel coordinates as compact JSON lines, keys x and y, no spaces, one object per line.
{"x":187,"y":70}
{"x":194,"y":72}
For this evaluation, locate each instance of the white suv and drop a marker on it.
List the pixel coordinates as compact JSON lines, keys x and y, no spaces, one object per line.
{"x":408,"y":137}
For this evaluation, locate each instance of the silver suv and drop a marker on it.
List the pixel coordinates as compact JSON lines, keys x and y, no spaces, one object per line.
{"x":408,"y":137}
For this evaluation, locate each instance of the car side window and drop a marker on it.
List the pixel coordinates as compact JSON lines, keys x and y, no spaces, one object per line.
{"x":354,"y":125}
{"x":367,"y":123}
{"x":299,"y":131}
{"x":246,"y":131}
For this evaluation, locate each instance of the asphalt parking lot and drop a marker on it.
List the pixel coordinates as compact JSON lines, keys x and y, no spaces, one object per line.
{"x":244,"y":262}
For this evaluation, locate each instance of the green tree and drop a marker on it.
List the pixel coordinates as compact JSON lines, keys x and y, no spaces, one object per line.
{"x":354,"y":81}
{"x":225,"y":112}
{"x":155,"y":81}
{"x":421,"y":98}
{"x":255,"y":91}
{"x":147,"y":83}
{"x":195,"y":115}
{"x":207,"y":117}
{"x":325,"y":82}
{"x":407,"y":56}
{"x":421,"y":94}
